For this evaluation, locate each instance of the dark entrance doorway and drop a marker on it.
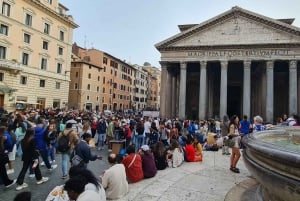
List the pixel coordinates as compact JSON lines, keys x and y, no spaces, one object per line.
{"x":234,"y":100}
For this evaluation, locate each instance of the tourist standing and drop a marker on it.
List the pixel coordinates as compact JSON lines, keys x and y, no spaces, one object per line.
{"x":30,"y":158}
{"x":234,"y":134}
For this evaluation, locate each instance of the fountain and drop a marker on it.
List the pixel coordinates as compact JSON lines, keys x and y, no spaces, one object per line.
{"x":273,"y":159}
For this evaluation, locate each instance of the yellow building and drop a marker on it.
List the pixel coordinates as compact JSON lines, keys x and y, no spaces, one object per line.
{"x":35,"y":52}
{"x":100,"y":81}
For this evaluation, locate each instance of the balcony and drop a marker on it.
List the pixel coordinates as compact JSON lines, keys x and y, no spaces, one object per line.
{"x":10,"y":65}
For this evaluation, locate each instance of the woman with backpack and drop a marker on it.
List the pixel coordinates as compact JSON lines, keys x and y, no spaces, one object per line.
{"x":67,"y":140}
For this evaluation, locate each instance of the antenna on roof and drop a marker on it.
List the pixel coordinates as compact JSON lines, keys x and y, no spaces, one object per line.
{"x":84,"y":41}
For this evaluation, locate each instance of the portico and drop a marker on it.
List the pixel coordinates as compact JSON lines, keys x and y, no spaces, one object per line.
{"x":239,"y":63}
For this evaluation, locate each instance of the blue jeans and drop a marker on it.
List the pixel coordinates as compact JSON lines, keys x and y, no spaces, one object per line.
{"x":101,"y":139}
{"x":65,"y":158}
{"x":147,"y":138}
{"x":51,"y":152}
{"x":116,"y":135}
{"x":139,"y":142}
{"x":44,"y":155}
{"x":19,"y":147}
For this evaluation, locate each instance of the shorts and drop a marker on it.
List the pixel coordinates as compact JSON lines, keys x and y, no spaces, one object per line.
{"x":12,"y":154}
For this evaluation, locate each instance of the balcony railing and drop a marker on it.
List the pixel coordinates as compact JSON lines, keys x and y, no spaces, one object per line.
{"x":10,"y":65}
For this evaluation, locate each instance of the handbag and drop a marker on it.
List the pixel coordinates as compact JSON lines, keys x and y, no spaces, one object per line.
{"x":76,"y":160}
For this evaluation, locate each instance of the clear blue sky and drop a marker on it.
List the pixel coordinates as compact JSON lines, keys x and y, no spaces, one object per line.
{"x":129,"y":29}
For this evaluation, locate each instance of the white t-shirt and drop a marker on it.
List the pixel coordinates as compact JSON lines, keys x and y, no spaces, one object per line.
{"x":147,"y":126}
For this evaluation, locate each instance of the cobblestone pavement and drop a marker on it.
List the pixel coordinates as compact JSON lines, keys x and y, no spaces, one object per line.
{"x":209,"y":180}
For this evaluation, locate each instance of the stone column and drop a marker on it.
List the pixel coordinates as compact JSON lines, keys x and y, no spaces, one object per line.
{"x":293,"y":87}
{"x":173,"y":101}
{"x":223,"y":89}
{"x":163,"y":90}
{"x":182,"y":90}
{"x":169,"y":93}
{"x":270,"y":92}
{"x":202,"y":88}
{"x":247,"y":88}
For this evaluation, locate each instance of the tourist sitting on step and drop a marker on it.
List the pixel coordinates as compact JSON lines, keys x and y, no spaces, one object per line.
{"x":148,"y":164}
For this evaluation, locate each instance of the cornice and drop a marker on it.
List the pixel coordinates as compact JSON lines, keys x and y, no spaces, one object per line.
{"x":223,"y":47}
{"x":41,"y":6}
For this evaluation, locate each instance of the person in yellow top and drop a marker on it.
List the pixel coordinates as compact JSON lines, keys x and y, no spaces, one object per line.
{"x":198,"y":149}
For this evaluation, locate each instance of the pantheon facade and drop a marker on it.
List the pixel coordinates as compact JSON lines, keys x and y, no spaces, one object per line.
{"x":238,"y":62}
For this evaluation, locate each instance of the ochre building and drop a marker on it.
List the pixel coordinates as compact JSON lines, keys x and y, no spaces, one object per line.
{"x":238,"y":62}
{"x":35,"y":52}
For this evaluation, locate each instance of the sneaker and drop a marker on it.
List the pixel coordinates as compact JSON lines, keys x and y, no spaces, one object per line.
{"x":53,"y":161}
{"x":52,"y":167}
{"x":20,"y":187}
{"x":31,"y":175}
{"x":42,"y":163}
{"x":10,"y":171}
{"x":43,"y":180}
{"x":64,"y":177}
{"x":228,"y":153}
{"x":12,"y":183}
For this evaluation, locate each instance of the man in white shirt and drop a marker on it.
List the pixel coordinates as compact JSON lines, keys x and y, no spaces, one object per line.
{"x":114,"y":179}
{"x":147,"y":126}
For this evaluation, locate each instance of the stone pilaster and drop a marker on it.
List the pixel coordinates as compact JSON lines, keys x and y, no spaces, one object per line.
{"x":173,"y":101}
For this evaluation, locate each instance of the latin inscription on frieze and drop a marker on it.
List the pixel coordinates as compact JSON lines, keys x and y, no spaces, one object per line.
{"x":240,"y":53}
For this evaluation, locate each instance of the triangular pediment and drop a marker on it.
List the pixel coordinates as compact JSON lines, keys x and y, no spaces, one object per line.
{"x":235,"y":27}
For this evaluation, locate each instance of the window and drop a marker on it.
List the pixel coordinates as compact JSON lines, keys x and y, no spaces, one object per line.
{"x":25,"y":58}
{"x":23,"y":80}
{"x":97,"y":89}
{"x":103,"y":90}
{"x":60,"y":51}
{"x":103,"y":80}
{"x":42,"y":83}
{"x":89,"y":75}
{"x":98,"y":78}
{"x":28,"y":20}
{"x":76,"y":86}
{"x":2,"y":52}
{"x":1,"y":77}
{"x":87,"y":97}
{"x":88,"y":87}
{"x":44,"y":64}
{"x":61,"y":35}
{"x":59,"y":68}
{"x":76,"y":75}
{"x":4,"y":29}
{"x":49,"y":1}
{"x":5,"y":9}
{"x":104,"y":60}
{"x":26,"y":38}
{"x":46,"y":28}
{"x":45,"y":45}
{"x":57,"y":85}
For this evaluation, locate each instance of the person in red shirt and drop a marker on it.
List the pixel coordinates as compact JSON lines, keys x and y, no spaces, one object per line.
{"x":133,"y":165}
{"x":189,"y":150}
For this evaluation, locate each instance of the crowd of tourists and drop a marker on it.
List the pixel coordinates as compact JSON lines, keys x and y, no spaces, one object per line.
{"x":151,"y":144}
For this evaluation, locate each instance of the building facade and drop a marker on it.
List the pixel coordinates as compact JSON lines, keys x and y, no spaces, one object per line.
{"x":35,"y":51}
{"x":141,"y":88}
{"x":100,"y":81}
{"x":238,"y":62}
{"x":154,"y":91}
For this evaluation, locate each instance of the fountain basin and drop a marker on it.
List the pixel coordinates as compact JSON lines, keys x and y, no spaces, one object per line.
{"x":273,"y":159}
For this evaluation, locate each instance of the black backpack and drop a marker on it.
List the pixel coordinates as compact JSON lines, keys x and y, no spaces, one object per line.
{"x":63,"y":143}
